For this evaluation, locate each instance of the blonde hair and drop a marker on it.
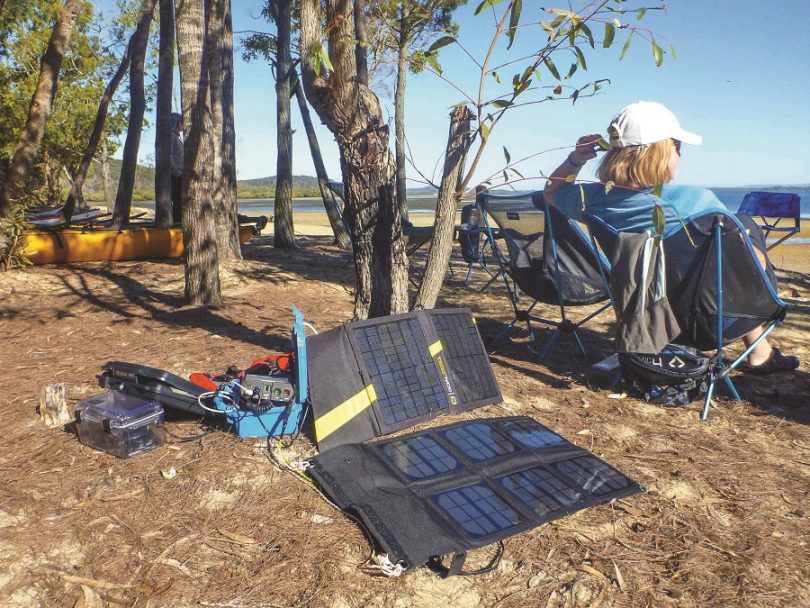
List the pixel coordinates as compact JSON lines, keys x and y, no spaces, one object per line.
{"x":642,"y":166}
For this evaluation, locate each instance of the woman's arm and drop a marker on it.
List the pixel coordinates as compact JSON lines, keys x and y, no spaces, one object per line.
{"x":584,"y":151}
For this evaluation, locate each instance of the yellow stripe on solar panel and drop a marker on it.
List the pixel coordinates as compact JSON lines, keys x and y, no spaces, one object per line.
{"x":343,"y":413}
{"x":435,"y":348}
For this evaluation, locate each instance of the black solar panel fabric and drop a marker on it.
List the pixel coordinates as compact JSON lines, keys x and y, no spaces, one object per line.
{"x":461,"y":486}
{"x":373,"y":377}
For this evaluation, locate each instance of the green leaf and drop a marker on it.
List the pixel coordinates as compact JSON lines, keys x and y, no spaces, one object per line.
{"x":610,"y":34}
{"x":672,"y":50}
{"x":516,"y":172}
{"x":640,"y":14}
{"x":506,"y":155}
{"x":325,"y":59}
{"x":484,"y":131}
{"x":584,"y":27}
{"x":603,"y":144}
{"x":514,"y":19}
{"x":487,"y":4}
{"x":551,"y":67}
{"x":659,"y":220}
{"x":501,"y":103}
{"x":580,"y":58}
{"x":549,"y":30}
{"x":505,"y":177}
{"x":572,"y":69}
{"x":575,"y":96}
{"x":658,"y":54}
{"x":441,"y":42}
{"x":658,"y":190}
{"x":496,"y":77}
{"x":626,"y":46}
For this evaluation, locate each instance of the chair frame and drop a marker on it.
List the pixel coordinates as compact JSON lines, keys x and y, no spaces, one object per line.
{"x":720,"y":368}
{"x":564,"y":326}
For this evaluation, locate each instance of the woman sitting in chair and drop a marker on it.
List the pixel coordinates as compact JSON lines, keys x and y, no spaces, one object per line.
{"x":645,"y":149}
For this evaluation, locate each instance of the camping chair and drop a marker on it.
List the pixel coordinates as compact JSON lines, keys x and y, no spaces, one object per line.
{"x":716,"y":287}
{"x":473,"y":252}
{"x":547,"y":257}
{"x":770,"y":208}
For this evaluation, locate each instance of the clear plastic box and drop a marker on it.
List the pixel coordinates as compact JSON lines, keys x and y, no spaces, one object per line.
{"x":120,"y":424}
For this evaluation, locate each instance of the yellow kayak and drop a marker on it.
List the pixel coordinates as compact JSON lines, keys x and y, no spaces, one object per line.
{"x":73,"y":245}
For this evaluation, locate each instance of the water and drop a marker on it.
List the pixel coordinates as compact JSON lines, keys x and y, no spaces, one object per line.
{"x":730,"y":197}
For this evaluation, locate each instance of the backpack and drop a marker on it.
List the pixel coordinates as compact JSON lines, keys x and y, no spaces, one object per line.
{"x":674,"y":378}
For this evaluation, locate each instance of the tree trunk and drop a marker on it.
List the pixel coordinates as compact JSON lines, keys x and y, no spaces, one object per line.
{"x":399,"y":123}
{"x":199,"y":236}
{"x":458,"y":143}
{"x":219,"y":50}
{"x":163,"y":111}
{"x":361,"y":41}
{"x":229,"y":245}
{"x":352,"y":112}
{"x":332,"y":211}
{"x":137,"y":106}
{"x":30,"y":138}
{"x":75,"y":195}
{"x":283,"y":232}
{"x":106,"y":178}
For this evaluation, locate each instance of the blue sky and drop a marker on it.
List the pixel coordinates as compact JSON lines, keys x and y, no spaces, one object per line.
{"x":740,"y":79}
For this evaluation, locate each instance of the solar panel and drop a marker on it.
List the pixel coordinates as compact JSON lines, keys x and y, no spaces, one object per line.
{"x":464,"y":485}
{"x":397,"y":358}
{"x":593,"y":475}
{"x":479,"y":441}
{"x":477,"y":509}
{"x":373,"y":377}
{"x":419,"y":457}
{"x":540,"y":489}
{"x":468,"y":363}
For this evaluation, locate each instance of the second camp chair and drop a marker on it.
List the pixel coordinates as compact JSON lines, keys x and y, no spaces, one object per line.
{"x":715,"y":285}
{"x":770,"y":209}
{"x":546,"y":257}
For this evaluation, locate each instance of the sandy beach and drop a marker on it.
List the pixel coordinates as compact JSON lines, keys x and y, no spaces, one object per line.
{"x":793,"y":254}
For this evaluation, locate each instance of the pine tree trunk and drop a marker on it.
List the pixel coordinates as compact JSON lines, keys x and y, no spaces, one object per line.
{"x":199,"y":235}
{"x":75,"y":195}
{"x":163,"y":111}
{"x":137,"y":107}
{"x":458,"y":143}
{"x":22,"y":159}
{"x":332,"y":211}
{"x":399,"y":124}
{"x":283,"y":231}
{"x":352,"y":112}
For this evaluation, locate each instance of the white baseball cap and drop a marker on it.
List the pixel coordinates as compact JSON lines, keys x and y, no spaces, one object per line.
{"x":646,"y":122}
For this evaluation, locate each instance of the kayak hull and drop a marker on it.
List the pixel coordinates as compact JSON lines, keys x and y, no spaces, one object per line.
{"x":68,"y":245}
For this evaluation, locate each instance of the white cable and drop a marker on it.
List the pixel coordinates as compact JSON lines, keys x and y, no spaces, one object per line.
{"x":312,"y":327}
{"x":210,"y":395}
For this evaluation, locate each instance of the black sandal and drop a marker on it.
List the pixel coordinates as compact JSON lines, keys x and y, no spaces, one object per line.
{"x":777,"y":362}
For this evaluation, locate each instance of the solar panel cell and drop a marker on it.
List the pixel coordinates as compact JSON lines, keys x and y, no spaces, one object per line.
{"x":479,"y":441}
{"x":477,"y":509}
{"x":419,"y":457}
{"x":541,"y":490}
{"x":593,"y":475}
{"x":530,"y":434}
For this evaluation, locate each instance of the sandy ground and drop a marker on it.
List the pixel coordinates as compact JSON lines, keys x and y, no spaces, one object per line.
{"x":216,"y":522}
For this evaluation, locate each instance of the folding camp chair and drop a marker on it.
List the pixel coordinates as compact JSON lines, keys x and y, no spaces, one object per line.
{"x":716,"y":286}
{"x":473,"y":251}
{"x":545,"y":256}
{"x":770,"y":208}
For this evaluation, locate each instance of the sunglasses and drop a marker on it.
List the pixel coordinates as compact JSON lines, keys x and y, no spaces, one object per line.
{"x":677,"y":144}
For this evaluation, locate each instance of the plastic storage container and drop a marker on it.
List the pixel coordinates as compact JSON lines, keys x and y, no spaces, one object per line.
{"x":120,"y":424}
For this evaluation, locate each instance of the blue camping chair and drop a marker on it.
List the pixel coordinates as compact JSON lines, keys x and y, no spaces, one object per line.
{"x":716,"y":286}
{"x":545,"y":256}
{"x":470,"y":233}
{"x":770,"y":208}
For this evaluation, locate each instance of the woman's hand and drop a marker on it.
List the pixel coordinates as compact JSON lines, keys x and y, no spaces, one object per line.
{"x":585,"y":149}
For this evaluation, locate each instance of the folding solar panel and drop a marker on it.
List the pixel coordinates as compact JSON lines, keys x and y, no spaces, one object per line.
{"x":457,"y":487}
{"x":369,"y":378}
